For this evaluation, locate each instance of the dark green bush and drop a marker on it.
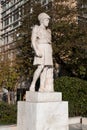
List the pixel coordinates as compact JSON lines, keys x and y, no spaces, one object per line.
{"x":74,"y":91}
{"x":8,"y":113}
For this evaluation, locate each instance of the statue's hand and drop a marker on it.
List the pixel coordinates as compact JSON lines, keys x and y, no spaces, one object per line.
{"x":38,"y":54}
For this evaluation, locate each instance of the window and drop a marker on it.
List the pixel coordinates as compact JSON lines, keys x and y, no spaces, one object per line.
{"x":16,"y":15}
{"x":6,"y":39}
{"x":4,"y":7}
{"x":4,"y":14}
{"x":15,"y":24}
{"x":11,"y":18}
{"x":12,"y":8}
{"x":6,"y":22}
{"x":7,"y":5}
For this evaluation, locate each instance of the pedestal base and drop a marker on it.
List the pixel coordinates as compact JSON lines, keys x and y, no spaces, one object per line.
{"x":41,"y":114}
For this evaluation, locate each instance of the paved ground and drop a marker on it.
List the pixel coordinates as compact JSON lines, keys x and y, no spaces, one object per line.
{"x":71,"y":127}
{"x":11,"y":127}
{"x":75,"y":127}
{"x":78,"y":127}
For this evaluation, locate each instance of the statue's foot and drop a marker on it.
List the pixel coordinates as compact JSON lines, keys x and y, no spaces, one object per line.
{"x":41,"y":89}
{"x":32,"y":88}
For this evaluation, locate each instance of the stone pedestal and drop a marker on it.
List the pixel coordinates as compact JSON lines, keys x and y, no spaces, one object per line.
{"x":42,"y":111}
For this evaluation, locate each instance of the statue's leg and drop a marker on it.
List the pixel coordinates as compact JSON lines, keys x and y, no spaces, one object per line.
{"x":43,"y":79}
{"x":36,"y":76}
{"x":49,"y":80}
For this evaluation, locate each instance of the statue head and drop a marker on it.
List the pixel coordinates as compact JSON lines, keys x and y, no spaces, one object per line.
{"x":44,"y":19}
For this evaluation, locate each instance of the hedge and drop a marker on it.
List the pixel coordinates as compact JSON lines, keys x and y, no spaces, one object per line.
{"x":8,"y":114}
{"x":74,"y":91}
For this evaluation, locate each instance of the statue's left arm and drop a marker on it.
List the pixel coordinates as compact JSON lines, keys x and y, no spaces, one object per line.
{"x":34,"y":40}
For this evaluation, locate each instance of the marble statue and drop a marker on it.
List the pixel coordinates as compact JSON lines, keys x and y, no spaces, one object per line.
{"x":41,"y":43}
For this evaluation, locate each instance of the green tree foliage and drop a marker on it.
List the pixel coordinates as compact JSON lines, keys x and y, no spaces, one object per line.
{"x":69,"y":38}
{"x":8,"y":74}
{"x":8,"y":114}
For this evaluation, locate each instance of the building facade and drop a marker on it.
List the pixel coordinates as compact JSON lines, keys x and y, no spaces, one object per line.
{"x":12,"y":11}
{"x":11,"y":14}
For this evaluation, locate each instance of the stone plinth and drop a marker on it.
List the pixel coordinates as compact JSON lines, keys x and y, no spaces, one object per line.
{"x":84,"y":123}
{"x":43,"y":97}
{"x":43,"y":111}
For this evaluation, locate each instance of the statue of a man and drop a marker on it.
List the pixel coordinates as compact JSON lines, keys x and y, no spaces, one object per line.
{"x":41,"y":42}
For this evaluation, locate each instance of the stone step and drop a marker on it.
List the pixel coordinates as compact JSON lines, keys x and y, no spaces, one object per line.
{"x":43,"y":96}
{"x":8,"y":127}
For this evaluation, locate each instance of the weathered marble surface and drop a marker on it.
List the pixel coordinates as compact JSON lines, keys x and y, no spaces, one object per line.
{"x":41,"y":40}
{"x":39,"y":115}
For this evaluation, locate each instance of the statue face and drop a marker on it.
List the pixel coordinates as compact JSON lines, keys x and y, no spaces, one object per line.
{"x":46,"y":22}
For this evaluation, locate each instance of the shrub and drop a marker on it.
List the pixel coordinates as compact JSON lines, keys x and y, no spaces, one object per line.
{"x":8,"y":114}
{"x":74,"y":91}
